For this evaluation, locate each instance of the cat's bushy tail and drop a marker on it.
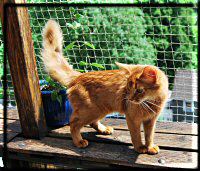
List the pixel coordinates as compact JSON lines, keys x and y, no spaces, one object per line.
{"x":52,"y":55}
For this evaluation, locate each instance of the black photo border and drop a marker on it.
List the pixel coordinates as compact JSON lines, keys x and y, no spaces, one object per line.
{"x":62,"y":4}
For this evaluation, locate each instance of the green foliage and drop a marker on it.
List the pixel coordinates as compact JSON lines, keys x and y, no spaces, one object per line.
{"x":170,"y":1}
{"x":1,"y":52}
{"x":1,"y":59}
{"x":54,"y":87}
{"x":118,"y":1}
{"x":82,"y":63}
{"x":1,"y":93}
{"x":94,"y":38}
{"x":97,"y":65}
{"x":91,"y":35}
{"x":174,"y":35}
{"x":70,"y":46}
{"x":89,"y":44}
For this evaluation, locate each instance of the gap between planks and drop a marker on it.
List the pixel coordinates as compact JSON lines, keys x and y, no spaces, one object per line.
{"x":178,"y":142}
{"x":161,"y":127}
{"x":120,"y":124}
{"x":12,"y":125}
{"x":164,"y":138}
{"x":99,"y":152}
{"x":12,"y":114}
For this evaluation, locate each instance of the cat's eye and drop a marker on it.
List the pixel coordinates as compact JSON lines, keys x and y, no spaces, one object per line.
{"x":140,"y":90}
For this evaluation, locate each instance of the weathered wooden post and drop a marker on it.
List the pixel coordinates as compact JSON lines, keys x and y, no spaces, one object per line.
{"x":22,"y":61}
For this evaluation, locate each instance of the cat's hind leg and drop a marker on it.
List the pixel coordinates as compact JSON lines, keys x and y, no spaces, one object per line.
{"x":79,"y":119}
{"x":75,"y":127}
{"x":102,"y":129}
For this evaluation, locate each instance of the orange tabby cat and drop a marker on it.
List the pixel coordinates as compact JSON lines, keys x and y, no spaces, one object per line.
{"x":138,"y":91}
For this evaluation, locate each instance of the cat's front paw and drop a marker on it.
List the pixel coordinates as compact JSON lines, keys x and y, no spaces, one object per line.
{"x":82,"y":143}
{"x":108,"y":131}
{"x":153,"y":150}
{"x":141,"y":149}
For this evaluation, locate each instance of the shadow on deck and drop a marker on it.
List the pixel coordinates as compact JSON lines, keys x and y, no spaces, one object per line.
{"x":177,"y":141}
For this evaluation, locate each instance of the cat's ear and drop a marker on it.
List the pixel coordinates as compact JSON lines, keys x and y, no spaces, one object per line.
{"x":125,"y":67}
{"x":129,"y":85}
{"x":149,"y":75}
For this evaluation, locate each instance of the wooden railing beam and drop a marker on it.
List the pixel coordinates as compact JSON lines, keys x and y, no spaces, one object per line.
{"x":22,"y":61}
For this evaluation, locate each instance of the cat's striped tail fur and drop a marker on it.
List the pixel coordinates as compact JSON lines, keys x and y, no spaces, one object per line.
{"x":52,"y":55}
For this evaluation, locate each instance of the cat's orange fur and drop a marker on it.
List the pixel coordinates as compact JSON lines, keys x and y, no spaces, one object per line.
{"x":138,"y":91}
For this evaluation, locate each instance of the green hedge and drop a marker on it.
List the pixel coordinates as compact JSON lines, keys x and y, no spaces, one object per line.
{"x":166,"y":37}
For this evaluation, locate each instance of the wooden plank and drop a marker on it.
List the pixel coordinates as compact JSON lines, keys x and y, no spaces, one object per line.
{"x":13,"y":129}
{"x":120,"y":124}
{"x":11,"y":114}
{"x":21,"y":58}
{"x":10,"y":135}
{"x":123,"y":137}
{"x":12,"y":126}
{"x":10,"y":163}
{"x":99,"y":152}
{"x":1,"y":11}
{"x":55,"y":162}
{"x":167,"y":127}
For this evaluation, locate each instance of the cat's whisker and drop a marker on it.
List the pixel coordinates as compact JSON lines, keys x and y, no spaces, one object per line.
{"x":141,"y":109}
{"x":145,"y":108}
{"x":142,"y":106}
{"x":153,"y":103}
{"x":149,"y":107}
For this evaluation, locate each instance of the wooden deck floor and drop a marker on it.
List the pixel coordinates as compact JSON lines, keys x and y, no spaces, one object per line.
{"x":177,"y":141}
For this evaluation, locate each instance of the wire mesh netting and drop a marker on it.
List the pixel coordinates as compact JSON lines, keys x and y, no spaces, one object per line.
{"x":115,"y":1}
{"x":96,"y":37}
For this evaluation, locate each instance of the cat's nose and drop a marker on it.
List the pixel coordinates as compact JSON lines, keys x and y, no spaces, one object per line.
{"x":137,"y":101}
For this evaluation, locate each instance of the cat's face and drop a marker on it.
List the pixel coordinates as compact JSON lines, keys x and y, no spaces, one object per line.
{"x":143,"y":85}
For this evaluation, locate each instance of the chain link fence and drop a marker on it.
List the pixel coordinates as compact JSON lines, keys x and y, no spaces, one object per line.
{"x":96,"y":37}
